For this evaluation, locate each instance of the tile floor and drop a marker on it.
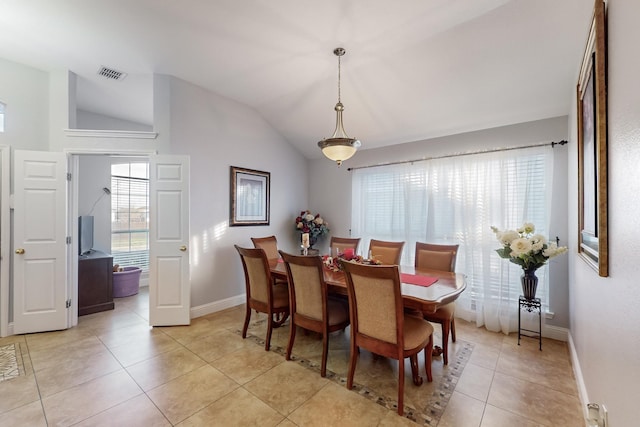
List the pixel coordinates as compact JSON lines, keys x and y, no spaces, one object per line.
{"x":112,"y":369}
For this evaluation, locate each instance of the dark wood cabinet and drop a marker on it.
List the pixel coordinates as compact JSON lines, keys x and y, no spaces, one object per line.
{"x":95,"y":283}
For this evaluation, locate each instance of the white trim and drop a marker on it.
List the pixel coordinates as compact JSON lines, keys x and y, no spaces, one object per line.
{"x":213,"y":307}
{"x":91,"y":133}
{"x":116,"y":152}
{"x":6,"y":329}
{"x":73,"y":167}
{"x":555,"y":332}
{"x":577,"y":371}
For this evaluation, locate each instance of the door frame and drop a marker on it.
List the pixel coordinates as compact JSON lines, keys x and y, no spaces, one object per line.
{"x":73,"y":156}
{"x":5,"y":242}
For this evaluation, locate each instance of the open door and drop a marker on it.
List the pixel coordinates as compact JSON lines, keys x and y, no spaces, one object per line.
{"x":169,"y":286}
{"x":40,"y":248}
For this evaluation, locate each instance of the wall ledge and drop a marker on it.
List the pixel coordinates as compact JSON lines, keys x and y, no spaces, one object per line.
{"x":130,"y":134}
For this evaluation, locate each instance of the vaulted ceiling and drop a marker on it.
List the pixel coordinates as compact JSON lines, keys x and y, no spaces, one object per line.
{"x":414,"y":69}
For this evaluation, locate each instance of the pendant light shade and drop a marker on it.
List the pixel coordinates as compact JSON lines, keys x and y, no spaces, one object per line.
{"x":339,"y":147}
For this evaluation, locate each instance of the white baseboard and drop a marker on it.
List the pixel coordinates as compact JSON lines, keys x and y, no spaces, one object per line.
{"x":555,"y":332}
{"x":577,"y":371}
{"x":216,"y":306}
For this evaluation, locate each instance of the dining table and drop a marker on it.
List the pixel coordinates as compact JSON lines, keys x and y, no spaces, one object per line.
{"x":441,"y":287}
{"x":422,"y":289}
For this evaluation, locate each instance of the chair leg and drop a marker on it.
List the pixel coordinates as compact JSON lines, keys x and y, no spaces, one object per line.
{"x":415,"y":370}
{"x":453,"y":329}
{"x":267,"y":341}
{"x":247,"y":317}
{"x":428,"y":358}
{"x":401,"y":386}
{"x":292,"y":338}
{"x":445,"y":341}
{"x":353,"y":355}
{"x":325,"y":351}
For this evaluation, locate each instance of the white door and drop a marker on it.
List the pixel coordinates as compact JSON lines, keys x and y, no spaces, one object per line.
{"x":39,"y":258}
{"x":169,"y":287}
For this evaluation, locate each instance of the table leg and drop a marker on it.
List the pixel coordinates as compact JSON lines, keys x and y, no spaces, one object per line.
{"x":279,"y":319}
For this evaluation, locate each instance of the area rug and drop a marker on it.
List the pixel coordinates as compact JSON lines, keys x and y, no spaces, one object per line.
{"x":431,"y":407}
{"x":9,"y":367}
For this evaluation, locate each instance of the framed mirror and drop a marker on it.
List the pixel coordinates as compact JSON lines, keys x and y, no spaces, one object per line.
{"x":592,"y":147}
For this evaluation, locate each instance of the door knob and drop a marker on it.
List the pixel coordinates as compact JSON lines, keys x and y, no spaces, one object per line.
{"x":20,"y":251}
{"x":183,"y":248}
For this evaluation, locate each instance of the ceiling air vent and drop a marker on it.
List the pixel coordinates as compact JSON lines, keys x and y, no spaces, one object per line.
{"x":110,"y":73}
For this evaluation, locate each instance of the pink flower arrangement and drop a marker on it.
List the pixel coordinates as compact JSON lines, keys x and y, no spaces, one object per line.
{"x":315,"y":225}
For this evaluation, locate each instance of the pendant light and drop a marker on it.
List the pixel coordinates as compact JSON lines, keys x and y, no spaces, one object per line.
{"x":339,"y":147}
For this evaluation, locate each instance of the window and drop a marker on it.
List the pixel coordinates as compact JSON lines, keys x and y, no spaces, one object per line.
{"x":130,"y":214}
{"x":2,"y":107}
{"x":457,"y":200}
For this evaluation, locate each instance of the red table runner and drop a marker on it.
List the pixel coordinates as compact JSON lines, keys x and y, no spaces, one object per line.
{"x":417,"y":280}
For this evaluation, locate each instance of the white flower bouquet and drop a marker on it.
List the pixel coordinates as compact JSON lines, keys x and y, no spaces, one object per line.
{"x":530,"y":251}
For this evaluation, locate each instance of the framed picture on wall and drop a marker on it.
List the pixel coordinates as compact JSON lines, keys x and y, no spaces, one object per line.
{"x":592,"y":147}
{"x":249,"y":197}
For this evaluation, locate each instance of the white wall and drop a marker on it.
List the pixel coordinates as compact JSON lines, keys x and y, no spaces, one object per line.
{"x":331,"y":185}
{"x":62,"y":107}
{"x":24,"y":90}
{"x":604,"y":311}
{"x":90,"y":120}
{"x":218,"y":133}
{"x":214,"y":131}
{"x":94,"y":175}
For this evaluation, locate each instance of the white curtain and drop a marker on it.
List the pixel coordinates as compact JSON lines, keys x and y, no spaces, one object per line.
{"x":457,"y":200}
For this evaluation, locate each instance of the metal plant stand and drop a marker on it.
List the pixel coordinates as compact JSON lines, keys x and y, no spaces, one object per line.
{"x":530,"y":305}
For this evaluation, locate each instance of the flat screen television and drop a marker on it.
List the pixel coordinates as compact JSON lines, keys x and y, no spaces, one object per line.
{"x":85,"y":230}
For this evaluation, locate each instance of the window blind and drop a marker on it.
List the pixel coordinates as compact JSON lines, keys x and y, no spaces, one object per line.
{"x":457,"y":200}
{"x":130,"y":215}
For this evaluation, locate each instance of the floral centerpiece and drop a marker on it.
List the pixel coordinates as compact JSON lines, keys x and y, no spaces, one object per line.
{"x":528,"y":250}
{"x":333,"y":262}
{"x":315,"y":225}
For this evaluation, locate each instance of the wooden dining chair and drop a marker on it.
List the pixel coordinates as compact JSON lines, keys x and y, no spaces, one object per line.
{"x":388,"y":253}
{"x":339,"y":244}
{"x":270,"y":246}
{"x":262,"y":295}
{"x":442,"y":258}
{"x":379,"y":324}
{"x":311,"y":306}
